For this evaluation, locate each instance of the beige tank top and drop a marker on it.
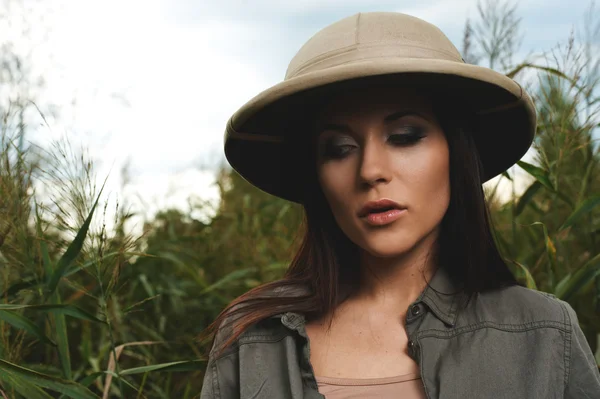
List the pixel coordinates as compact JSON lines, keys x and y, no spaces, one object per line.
{"x":406,"y":386}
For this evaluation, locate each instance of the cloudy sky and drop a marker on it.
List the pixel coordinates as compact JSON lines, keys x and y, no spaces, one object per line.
{"x":153,"y":82}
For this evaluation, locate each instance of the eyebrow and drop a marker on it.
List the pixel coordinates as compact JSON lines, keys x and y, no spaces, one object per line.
{"x":401,"y":114}
{"x":336,"y":127}
{"x":388,"y":119}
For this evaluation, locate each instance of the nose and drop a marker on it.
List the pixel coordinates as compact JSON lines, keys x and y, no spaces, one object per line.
{"x":374,"y":168}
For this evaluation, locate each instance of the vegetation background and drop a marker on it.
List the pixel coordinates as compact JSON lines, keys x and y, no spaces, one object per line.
{"x":89,"y":310}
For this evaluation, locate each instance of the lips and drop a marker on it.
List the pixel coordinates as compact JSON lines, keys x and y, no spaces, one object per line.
{"x":380,"y":206}
{"x":381,"y":212}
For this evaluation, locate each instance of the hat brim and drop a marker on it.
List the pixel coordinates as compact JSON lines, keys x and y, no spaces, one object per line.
{"x":258,"y":135}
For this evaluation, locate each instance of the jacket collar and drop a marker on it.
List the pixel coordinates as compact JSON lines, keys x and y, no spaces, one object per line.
{"x":442,"y":295}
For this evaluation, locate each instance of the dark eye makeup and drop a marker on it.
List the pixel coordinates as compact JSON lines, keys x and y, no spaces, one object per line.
{"x":336,"y":147}
{"x":408,"y":135}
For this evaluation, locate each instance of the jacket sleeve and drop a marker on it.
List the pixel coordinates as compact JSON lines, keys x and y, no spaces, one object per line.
{"x":221,"y":379}
{"x":208,"y":390}
{"x":583,"y":378}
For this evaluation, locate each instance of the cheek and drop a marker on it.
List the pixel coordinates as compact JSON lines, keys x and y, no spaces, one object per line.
{"x":331,"y":184}
{"x":336,"y":183}
{"x":429,"y":177}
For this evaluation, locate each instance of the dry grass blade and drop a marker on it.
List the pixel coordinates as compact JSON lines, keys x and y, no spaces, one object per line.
{"x":552,"y":71}
{"x":184,"y":365}
{"x":112,"y":363}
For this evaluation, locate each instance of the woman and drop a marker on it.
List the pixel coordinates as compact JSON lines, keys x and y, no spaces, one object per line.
{"x":384,"y":135}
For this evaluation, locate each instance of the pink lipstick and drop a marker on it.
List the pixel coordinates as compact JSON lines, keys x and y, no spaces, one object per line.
{"x":381,"y":212}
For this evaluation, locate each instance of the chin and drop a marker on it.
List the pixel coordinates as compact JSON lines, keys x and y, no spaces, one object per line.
{"x":388,"y":247}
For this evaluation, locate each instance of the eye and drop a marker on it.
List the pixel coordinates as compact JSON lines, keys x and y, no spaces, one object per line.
{"x":407,"y":135}
{"x":337,"y":147}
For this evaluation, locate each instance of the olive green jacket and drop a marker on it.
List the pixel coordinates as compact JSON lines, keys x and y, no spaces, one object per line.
{"x":511,"y":343}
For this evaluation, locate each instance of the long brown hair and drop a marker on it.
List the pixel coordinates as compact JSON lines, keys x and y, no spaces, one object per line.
{"x":327,"y":259}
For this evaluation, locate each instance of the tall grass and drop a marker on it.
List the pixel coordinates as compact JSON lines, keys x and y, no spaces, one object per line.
{"x":90,"y":311}
{"x":550,"y":231}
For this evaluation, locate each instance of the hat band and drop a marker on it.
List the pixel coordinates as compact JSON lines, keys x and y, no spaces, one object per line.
{"x":364,"y":52}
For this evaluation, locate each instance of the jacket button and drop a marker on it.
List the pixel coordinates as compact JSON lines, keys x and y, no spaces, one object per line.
{"x":411,"y":347}
{"x":415,"y":310}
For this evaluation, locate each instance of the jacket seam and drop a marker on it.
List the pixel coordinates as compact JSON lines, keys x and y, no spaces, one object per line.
{"x":563,"y":326}
{"x":262,"y":338}
{"x":422,"y":369}
{"x":446,"y":318}
{"x":233,"y":349}
{"x":215,"y":381}
{"x":502,"y":327}
{"x":454,"y":309}
{"x":252,"y":340}
{"x":567,"y":347}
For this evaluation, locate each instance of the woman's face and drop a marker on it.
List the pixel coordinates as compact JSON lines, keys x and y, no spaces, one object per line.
{"x":383,"y":165}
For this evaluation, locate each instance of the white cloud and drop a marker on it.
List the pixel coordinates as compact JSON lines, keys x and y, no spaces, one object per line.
{"x":448,"y":14}
{"x":163,"y":190}
{"x":157,"y":86}
{"x":180,"y":86}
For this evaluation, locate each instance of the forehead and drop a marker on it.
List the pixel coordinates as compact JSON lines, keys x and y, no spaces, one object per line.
{"x":358,"y":102}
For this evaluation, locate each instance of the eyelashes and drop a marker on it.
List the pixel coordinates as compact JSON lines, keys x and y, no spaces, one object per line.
{"x":338,"y":147}
{"x":333,"y":150}
{"x":411,"y":135}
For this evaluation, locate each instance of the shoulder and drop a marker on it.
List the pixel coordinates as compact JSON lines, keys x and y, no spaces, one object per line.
{"x":270,"y":328}
{"x":280,"y":323}
{"x":518,"y":305}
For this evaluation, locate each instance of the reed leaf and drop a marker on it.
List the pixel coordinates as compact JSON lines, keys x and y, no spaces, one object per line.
{"x":560,"y":287}
{"x":60,"y":324}
{"x":550,"y":253}
{"x":73,"y":250}
{"x":231,"y":277}
{"x":538,"y":173}
{"x":23,"y":323}
{"x":27,"y":283}
{"x":583,"y":276}
{"x":70,"y":310}
{"x":582,"y":210}
{"x":48,"y":268}
{"x":27,"y":390}
{"x":190,"y":365}
{"x":529,"y":280}
{"x":549,"y":70}
{"x":62,"y":337}
{"x":69,"y":388}
{"x":526,"y":197}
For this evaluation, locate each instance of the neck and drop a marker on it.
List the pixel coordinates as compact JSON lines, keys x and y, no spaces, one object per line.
{"x":392,"y":284}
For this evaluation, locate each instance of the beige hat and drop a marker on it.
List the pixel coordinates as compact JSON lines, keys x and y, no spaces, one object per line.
{"x":261,"y":139}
